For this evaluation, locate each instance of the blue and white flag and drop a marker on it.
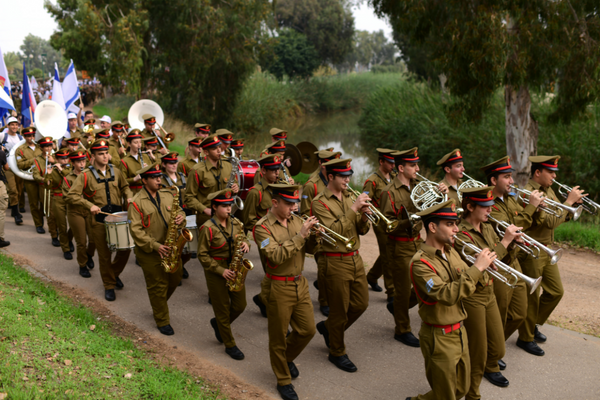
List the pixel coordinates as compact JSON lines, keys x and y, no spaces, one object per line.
{"x":70,"y":89}
{"x":57,"y":92}
{"x":5,"y":105}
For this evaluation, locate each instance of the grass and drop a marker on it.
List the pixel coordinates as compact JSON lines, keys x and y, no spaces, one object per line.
{"x":116,"y":107}
{"x":581,"y":234}
{"x":53,"y":348}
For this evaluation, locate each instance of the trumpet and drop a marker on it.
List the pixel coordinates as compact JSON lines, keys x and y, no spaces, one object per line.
{"x":317,"y":232}
{"x":348,"y":242}
{"x":376,"y":216}
{"x":552,"y":207}
{"x":470,"y":183}
{"x":515,"y":275}
{"x":588,"y":205}
{"x":426,"y":194}
{"x":531,"y":246}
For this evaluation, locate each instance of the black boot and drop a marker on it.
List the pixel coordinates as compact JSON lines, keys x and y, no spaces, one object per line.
{"x":83,"y":271}
{"x":4,"y":243}
{"x":186,"y":274}
{"x":17,"y":216}
{"x":109,"y":294}
{"x":166,"y":330}
{"x":119,"y":284}
{"x":71,"y":247}
{"x":234,"y":353}
{"x":375,"y":286}
{"x":323,"y":331}
{"x":287,"y":392}
{"x":538,"y":336}
{"x":90,"y":262}
{"x":213,"y":323}
{"x":55,"y":242}
{"x":343,"y":363}
{"x":259,"y":303}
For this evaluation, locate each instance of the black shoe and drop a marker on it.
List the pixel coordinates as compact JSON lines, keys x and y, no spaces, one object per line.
{"x":538,"y":336}
{"x":316,"y":284}
{"x":166,"y":330}
{"x":83,"y":271}
{"x":343,"y":363}
{"x":209,"y":300}
{"x":530,"y":347}
{"x":119,"y":284}
{"x":40,"y":229}
{"x":390,"y":307}
{"x":294,"y":373}
{"x":18,"y":217}
{"x":71,"y":247}
{"x":375,"y":286}
{"x":287,"y":392}
{"x":68,"y":255}
{"x":22,"y":209}
{"x":213,"y":323}
{"x":259,"y":303}
{"x":90,"y":262}
{"x":502,"y":365}
{"x":185,"y":273}
{"x":109,"y":295}
{"x":137,"y":263}
{"x":323,"y":331}
{"x":18,"y":220}
{"x":234,"y":353}
{"x":55,"y":242}
{"x":496,"y":378}
{"x":324,"y":310}
{"x":4,"y":243}
{"x":408,"y":339}
{"x":390,"y":299}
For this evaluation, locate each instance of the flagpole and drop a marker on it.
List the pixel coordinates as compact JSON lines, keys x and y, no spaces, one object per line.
{"x":30,"y":117}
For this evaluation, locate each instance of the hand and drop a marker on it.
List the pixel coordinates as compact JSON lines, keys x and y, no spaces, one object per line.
{"x":291,"y":180}
{"x":485,"y":259}
{"x":443,"y":188}
{"x":229,"y":274}
{"x":207,"y":211}
{"x":235,"y":188}
{"x":58,"y":167}
{"x":287,"y":162}
{"x":51,"y":159}
{"x":245,"y":248}
{"x":512,"y":232}
{"x":162,"y":151}
{"x":361,"y":201}
{"x":95,"y":210}
{"x":121,"y":150}
{"x":129,"y":201}
{"x":307,"y":226}
{"x":137,"y":178}
{"x":575,"y":196}
{"x":163,"y":250}
{"x":179,"y":219}
{"x":535,"y":199}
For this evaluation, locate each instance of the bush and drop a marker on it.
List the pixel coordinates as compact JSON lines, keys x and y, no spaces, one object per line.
{"x":295,"y":57}
{"x":583,"y":234}
{"x":399,"y":68}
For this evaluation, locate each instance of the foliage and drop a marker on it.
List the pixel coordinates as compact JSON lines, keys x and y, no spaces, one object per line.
{"x":36,"y":46}
{"x":295,"y":56}
{"x":370,"y":48}
{"x":13,"y":62}
{"x":54,"y":348}
{"x":398,"y":68}
{"x":327,"y":24}
{"x":579,"y":234}
{"x":117,"y":107}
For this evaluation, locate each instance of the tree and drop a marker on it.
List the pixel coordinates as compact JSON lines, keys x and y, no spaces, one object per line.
{"x":517,"y":45}
{"x":328,"y":25}
{"x":294,"y":56}
{"x":14,"y":63}
{"x":44,"y":56}
{"x":370,"y":48}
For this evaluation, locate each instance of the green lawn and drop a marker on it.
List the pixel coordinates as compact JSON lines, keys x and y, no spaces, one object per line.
{"x":582,"y":234}
{"x":52,"y":348}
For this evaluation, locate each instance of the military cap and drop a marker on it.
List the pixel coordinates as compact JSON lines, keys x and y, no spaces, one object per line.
{"x":279,"y":134}
{"x":134,"y":134}
{"x":482,"y":196}
{"x":45,"y":141}
{"x":89,"y":121}
{"x":410,"y":155}
{"x":453,"y":157}
{"x":150,"y":171}
{"x":211,"y":141}
{"x":339,"y":167}
{"x":276,"y":147}
{"x":237,"y":144}
{"x":327,"y":155}
{"x":223,"y":197}
{"x":445,"y":210}
{"x":270,"y":161}
{"x":62,"y":153}
{"x":73,"y":139}
{"x":547,"y":162}
{"x":99,"y":145}
{"x":202,"y":127}
{"x":152,"y":141}
{"x":77,"y":155}
{"x":195,"y":141}
{"x":387,"y":155}
{"x":224,"y":135}
{"x":101,"y":133}
{"x":117,"y":126}
{"x":501,"y":166}
{"x":149,"y":118}
{"x":170,"y":158}
{"x":289,"y":193}
{"x":30,"y":130}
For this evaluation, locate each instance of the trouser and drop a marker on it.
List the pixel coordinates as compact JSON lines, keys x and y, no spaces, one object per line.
{"x":50,"y":213}
{"x":288,"y":303}
{"x":486,"y":336}
{"x":227,"y":306}
{"x":109,"y":270}
{"x":347,"y":294}
{"x":447,"y":364}
{"x":13,"y":187}
{"x":399,"y":256}
{"x":539,"y":307}
{"x":160,"y":284}
{"x":3,"y":207}
{"x":381,"y":266}
{"x":21,"y":189}
{"x":59,"y":211}
{"x":322,"y":281}
{"x":34,"y":190}
{"x":80,"y":223}
{"x":512,"y":304}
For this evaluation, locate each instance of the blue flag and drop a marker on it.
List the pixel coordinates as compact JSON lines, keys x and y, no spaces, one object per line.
{"x":28,"y":103}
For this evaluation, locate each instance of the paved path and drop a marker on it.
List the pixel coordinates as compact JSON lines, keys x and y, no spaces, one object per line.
{"x":386,"y":368}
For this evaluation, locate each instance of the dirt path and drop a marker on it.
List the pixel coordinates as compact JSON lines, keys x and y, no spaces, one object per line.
{"x":387,"y":369}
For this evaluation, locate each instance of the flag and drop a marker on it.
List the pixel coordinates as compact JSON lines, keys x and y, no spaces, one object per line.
{"x":5,"y":85}
{"x":57,"y":93}
{"x":33,"y":83}
{"x":28,"y":103}
{"x":70,"y":87}
{"x":6,"y":102}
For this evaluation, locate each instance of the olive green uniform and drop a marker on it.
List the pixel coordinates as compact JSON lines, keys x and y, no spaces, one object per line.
{"x":59,"y":207}
{"x":203,"y":180}
{"x":286,"y":291}
{"x":149,"y":227}
{"x":215,"y":249}
{"x":374,"y":187}
{"x":483,"y":324}
{"x":130,"y":166}
{"x":539,"y":307}
{"x":442,"y":281}
{"x":166,"y":183}
{"x":147,"y":134}
{"x":44,"y":182}
{"x":80,"y":222}
{"x":344,"y":273}
{"x":452,"y":190}
{"x":257,"y":203}
{"x":402,"y":244}
{"x":187,"y":165}
{"x":88,"y":191}
{"x":258,"y":175}
{"x":25,"y":157}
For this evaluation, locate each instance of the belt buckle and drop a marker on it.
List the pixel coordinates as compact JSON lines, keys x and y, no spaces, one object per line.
{"x":297,"y":278}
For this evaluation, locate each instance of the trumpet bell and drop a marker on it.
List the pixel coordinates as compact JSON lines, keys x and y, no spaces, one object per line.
{"x":142,"y":107}
{"x":556,"y":256}
{"x":533,"y":284}
{"x":169,"y":137}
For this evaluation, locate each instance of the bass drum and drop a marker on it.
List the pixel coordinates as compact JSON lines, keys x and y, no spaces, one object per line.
{"x":245,"y":175}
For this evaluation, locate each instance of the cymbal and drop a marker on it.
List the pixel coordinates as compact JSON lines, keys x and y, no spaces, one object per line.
{"x":310,"y":161}
{"x":295,"y":157}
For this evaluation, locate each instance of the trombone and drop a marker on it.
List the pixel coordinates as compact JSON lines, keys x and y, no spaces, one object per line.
{"x":530,"y":246}
{"x":348,"y":242}
{"x":318,"y":233}
{"x":376,"y":216}
{"x":588,"y":205}
{"x":169,"y":137}
{"x":515,"y":275}
{"x":552,"y":207}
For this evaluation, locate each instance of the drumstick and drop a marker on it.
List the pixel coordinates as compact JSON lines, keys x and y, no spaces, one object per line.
{"x":105,"y":213}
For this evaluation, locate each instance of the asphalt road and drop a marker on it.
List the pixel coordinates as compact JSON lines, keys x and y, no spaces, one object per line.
{"x":387,"y":369}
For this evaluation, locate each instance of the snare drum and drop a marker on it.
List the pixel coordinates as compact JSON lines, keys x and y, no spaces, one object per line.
{"x":191,"y":247}
{"x":246,"y":172}
{"x":118,"y":236}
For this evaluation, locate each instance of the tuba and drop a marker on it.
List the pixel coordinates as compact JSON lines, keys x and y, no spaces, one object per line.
{"x":176,"y":242}
{"x":145,"y":106}
{"x":240,"y":265}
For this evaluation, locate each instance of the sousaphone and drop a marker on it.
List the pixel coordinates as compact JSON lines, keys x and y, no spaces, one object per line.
{"x":142,"y":107}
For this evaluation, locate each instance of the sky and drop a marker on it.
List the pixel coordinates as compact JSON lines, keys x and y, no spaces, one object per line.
{"x":16,"y":26}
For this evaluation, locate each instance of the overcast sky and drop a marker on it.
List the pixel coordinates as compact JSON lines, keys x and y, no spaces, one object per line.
{"x":29,"y":16}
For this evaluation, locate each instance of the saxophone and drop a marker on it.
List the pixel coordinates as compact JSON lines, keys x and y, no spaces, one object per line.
{"x":176,"y":242}
{"x":240,"y":265}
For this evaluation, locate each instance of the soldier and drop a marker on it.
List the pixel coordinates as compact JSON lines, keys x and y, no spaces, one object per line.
{"x":373,"y":187}
{"x":41,"y":176}
{"x":238,"y":147}
{"x":149,"y":131}
{"x":201,"y":130}
{"x":225,"y":137}
{"x":279,"y":149}
{"x":150,"y":147}
{"x":79,"y":217}
{"x":539,"y":307}
{"x":452,"y":164}
{"x":134,"y":161}
{"x":14,"y":184}
{"x":151,"y":217}
{"x":282,"y":241}
{"x":441,"y":281}
{"x":194,"y":156}
{"x":344,"y":272}
{"x":483,"y":322}
{"x":101,"y":189}
{"x":25,"y":156}
{"x":278,"y":135}
{"x":61,"y":169}
{"x":217,"y":243}
{"x":113,"y":152}
{"x":117,"y":140}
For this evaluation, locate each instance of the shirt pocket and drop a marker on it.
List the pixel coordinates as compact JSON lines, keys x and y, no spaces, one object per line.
{"x":218,"y":242}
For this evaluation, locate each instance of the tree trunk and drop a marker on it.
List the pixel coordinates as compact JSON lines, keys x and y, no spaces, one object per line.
{"x":521,"y":132}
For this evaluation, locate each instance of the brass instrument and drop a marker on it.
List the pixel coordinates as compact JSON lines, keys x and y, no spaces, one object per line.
{"x":552,"y":207}
{"x":239,"y":265}
{"x":588,"y":205}
{"x":531,"y":245}
{"x":317,"y":232}
{"x":377,"y":216}
{"x":426,"y":194}
{"x":169,"y":137}
{"x":470,"y":183}
{"x":348,"y":242}
{"x":233,"y":178}
{"x":532,"y":283}
{"x":145,"y":106}
{"x":47,"y":194}
{"x":176,"y":242}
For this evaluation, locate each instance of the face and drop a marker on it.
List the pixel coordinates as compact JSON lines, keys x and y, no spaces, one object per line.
{"x":238,"y":152}
{"x":135,"y":144}
{"x":149,"y":127}
{"x":270,"y":174}
{"x":72,"y":147}
{"x":201,"y":134}
{"x":194,"y":150}
{"x":152,"y":183}
{"x":283,"y":209}
{"x":101,"y":157}
{"x":104,"y":125}
{"x":63,"y":161}
{"x":152,"y":147}
{"x":29,"y":139}
{"x":502,"y":182}
{"x":386,"y":166}
{"x":409,"y":170}
{"x":455,"y":170}
{"x":46,"y":149}
{"x":223,"y":211}
{"x":170,"y":167}
{"x":214,"y":153}
{"x":544,"y":177}
{"x":339,"y":182}
{"x":117,"y":132}
{"x":13,"y":127}
{"x":73,"y":124}
{"x":79,"y":164}
{"x":445,"y":231}
{"x":479,"y":213}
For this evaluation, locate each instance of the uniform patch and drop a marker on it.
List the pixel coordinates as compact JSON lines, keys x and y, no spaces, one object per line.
{"x":264,"y":243}
{"x":305,"y":196}
{"x":429,"y":285}
{"x":18,"y":157}
{"x":366,"y":192}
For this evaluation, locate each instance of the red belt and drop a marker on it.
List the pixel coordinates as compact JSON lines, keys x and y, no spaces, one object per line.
{"x":220,"y":258}
{"x":135,"y":187}
{"x":447,"y":328}
{"x":284,"y":278}
{"x":354,"y":253}
{"x":404,"y":239}
{"x":57,"y":194}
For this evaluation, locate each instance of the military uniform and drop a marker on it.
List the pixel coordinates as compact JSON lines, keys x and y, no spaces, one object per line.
{"x":187,"y":165}
{"x":455,"y":156}
{"x":59,"y":206}
{"x":257,"y":203}
{"x":130,"y":165}
{"x":115,"y":157}
{"x":14,"y":184}
{"x":25,"y":156}
{"x":452,"y":190}
{"x":42,"y":179}
{"x":274,"y":148}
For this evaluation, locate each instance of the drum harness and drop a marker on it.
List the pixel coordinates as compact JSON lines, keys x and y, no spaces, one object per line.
{"x":108,"y":207}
